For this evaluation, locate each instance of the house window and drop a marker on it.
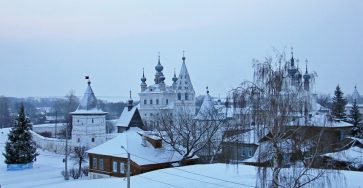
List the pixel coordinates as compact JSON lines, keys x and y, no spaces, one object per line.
{"x":157,"y":101}
{"x":92,"y":120}
{"x":151,"y":114}
{"x":145,"y":101}
{"x":250,"y":153}
{"x":93,"y":139}
{"x":151,"y":101}
{"x":100,"y":164}
{"x":244,"y":153}
{"x":167,"y":101}
{"x":122,"y":168}
{"x":94,"y":163}
{"x":186,"y":96}
{"x":114,"y":166}
{"x":179,"y":96}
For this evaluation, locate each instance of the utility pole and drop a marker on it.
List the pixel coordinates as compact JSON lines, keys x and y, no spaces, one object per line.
{"x":55,"y":131}
{"x":128,"y":167}
{"x":66,"y":176}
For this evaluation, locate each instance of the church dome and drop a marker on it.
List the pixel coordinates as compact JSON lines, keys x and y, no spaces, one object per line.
{"x":306,"y":76}
{"x":159,"y":67}
{"x":298,"y":75}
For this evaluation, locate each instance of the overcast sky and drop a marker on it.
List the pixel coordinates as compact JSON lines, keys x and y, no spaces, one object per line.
{"x":46,"y":47}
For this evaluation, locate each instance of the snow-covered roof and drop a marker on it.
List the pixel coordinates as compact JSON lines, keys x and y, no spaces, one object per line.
{"x":352,"y":155}
{"x":142,"y":154}
{"x":88,"y":104}
{"x":207,"y":108}
{"x":355,"y":94}
{"x":126,"y":117}
{"x":47,"y":125}
{"x":360,"y":140}
{"x":265,"y":150}
{"x":320,"y":120}
{"x":156,"y":88}
{"x":249,"y":137}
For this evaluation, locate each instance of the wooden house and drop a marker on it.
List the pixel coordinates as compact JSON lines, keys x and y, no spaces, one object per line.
{"x":147,"y":151}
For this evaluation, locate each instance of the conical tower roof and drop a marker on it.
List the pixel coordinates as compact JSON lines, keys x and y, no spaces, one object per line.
{"x":355,"y":94}
{"x":207,"y":109}
{"x":184,"y":82}
{"x":88,"y":104}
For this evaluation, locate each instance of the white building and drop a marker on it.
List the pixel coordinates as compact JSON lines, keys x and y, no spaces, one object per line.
{"x":161,"y":98}
{"x":89,"y":121}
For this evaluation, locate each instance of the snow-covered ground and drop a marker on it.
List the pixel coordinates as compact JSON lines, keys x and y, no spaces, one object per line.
{"x":47,"y":173}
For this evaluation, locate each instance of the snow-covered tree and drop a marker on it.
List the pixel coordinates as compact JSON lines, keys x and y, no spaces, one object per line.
{"x":339,"y":102}
{"x":20,"y":148}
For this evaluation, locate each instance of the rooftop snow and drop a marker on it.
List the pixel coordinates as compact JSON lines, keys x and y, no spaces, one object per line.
{"x":353,"y":155}
{"x":126,"y":117}
{"x":140,"y":154}
{"x":88,"y":104}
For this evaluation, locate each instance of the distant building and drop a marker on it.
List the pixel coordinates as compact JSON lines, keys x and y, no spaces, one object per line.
{"x":130,"y":117}
{"x":161,"y":98}
{"x":357,"y":98}
{"x":89,"y":121}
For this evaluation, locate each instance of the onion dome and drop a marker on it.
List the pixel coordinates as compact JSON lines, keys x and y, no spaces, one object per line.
{"x":174,"y":78}
{"x":298,"y":75}
{"x":159,"y":67}
{"x":306,"y":75}
{"x":143,"y":79}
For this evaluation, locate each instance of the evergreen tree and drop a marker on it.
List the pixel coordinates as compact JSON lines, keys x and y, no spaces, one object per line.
{"x":20,"y":148}
{"x":338,"y":106}
{"x":356,"y":118}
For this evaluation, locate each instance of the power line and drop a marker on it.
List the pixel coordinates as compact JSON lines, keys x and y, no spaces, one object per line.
{"x":194,"y":179}
{"x":160,"y":182}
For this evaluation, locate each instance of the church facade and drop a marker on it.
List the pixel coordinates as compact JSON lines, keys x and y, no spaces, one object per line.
{"x":160,"y":98}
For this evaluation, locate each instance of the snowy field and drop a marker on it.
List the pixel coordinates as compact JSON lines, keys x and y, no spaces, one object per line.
{"x":47,"y":173}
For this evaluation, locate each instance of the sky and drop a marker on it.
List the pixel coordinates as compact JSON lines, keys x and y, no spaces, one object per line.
{"x":47,"y":47}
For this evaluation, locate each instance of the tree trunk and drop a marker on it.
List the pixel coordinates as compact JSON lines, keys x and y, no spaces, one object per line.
{"x":79,"y":168}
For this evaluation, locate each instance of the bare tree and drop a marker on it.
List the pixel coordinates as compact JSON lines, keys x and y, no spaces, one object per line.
{"x":79,"y":155}
{"x":187,"y":134}
{"x":277,"y":96}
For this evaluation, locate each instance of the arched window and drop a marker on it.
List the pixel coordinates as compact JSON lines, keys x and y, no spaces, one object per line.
{"x":179,"y":96}
{"x":145,"y":101}
{"x":167,"y":101}
{"x":186,"y":96}
{"x":157,"y":101}
{"x":151,"y":101}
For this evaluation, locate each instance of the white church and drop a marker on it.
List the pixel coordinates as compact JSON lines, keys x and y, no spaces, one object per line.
{"x":162,"y":98}
{"x":89,"y":121}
